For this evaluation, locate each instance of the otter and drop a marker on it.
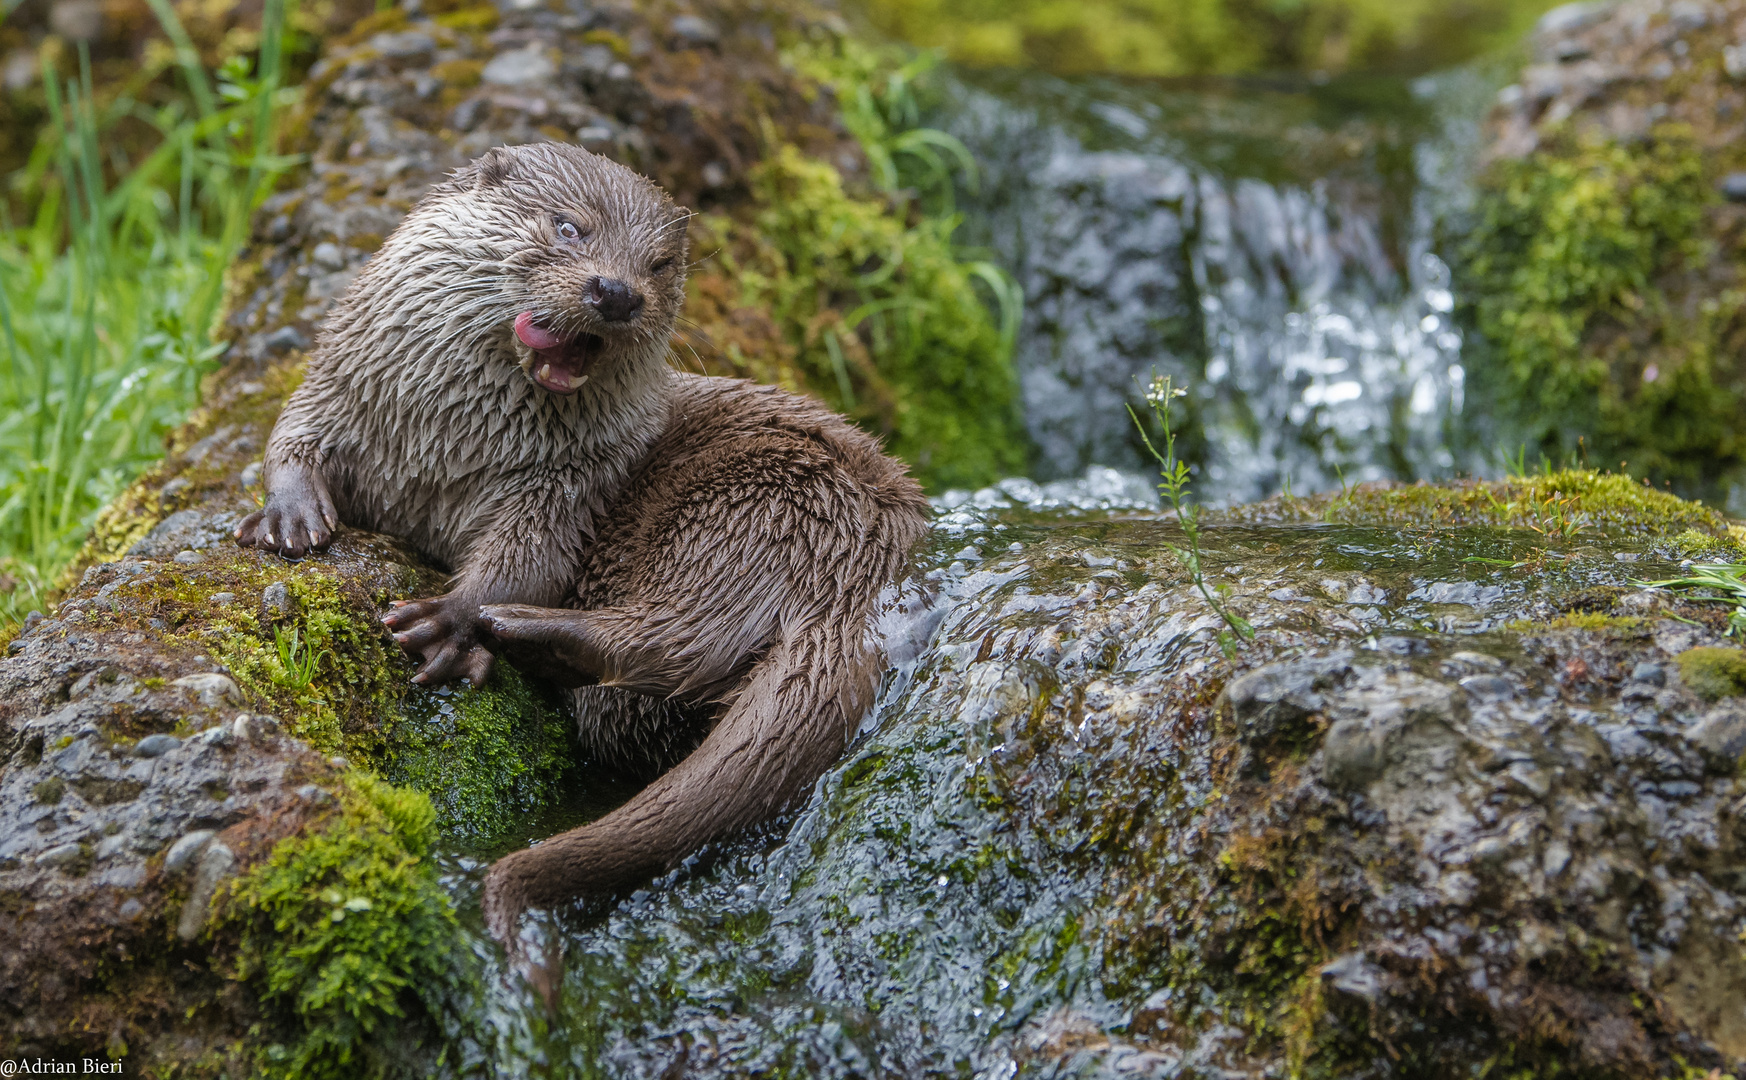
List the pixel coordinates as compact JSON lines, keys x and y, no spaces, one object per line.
{"x":495,"y":387}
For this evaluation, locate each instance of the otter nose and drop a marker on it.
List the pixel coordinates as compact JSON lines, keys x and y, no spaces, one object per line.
{"x":613,"y":299}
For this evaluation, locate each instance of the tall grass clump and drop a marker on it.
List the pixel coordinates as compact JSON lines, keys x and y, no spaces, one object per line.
{"x":110,"y":287}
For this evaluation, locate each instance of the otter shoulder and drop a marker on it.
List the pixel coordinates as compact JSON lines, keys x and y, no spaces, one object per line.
{"x":728,"y":404}
{"x":712,"y":414}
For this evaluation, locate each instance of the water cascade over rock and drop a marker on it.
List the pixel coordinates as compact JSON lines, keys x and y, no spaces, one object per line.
{"x":1270,"y":247}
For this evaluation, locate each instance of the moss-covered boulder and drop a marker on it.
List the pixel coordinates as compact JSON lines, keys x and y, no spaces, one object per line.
{"x":1456,"y":808}
{"x":1603,"y":266}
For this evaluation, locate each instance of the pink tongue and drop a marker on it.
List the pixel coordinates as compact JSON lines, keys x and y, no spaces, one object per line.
{"x":532,"y":336}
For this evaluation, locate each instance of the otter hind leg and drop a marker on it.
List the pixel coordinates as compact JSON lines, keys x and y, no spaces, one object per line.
{"x":789,"y":717}
{"x":630,"y":648}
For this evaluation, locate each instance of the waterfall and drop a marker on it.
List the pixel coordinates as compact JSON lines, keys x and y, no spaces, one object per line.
{"x":1273,"y":249}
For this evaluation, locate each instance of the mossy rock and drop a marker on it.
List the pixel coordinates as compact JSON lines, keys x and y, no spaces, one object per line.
{"x":1561,"y":504}
{"x":1601,"y":271}
{"x":1713,"y":673}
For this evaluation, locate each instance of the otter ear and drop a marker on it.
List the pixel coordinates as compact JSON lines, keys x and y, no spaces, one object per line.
{"x":485,"y":171}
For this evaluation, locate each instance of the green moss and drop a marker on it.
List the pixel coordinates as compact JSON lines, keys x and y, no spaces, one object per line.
{"x":1705,"y":547}
{"x":358,"y":673}
{"x":1563,"y":503}
{"x":344,"y":929}
{"x":1186,"y":37}
{"x":1713,"y":673}
{"x":49,"y":791}
{"x":1583,"y":620}
{"x":344,"y":686}
{"x":1582,"y":278}
{"x":484,"y":756}
{"x":857,"y":295}
{"x":921,"y":356}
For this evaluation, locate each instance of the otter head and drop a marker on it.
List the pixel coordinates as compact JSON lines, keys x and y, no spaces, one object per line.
{"x":594,"y":258}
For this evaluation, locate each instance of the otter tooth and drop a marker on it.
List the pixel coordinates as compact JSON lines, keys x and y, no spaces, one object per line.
{"x":545,"y":371}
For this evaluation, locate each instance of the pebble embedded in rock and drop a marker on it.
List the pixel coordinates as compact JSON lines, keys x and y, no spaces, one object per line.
{"x":217,"y":862}
{"x":183,"y":852}
{"x":1721,"y":733}
{"x":1352,"y":754}
{"x":276,"y":598}
{"x":1488,"y":687}
{"x":286,"y":338}
{"x":221,"y":599}
{"x":694,"y":30}
{"x":1267,"y":701}
{"x":156,"y":746}
{"x":188,"y":557}
{"x":210,"y":688}
{"x":467,"y":115}
{"x":406,"y":45}
{"x":1653,"y":674}
{"x":60,"y":855}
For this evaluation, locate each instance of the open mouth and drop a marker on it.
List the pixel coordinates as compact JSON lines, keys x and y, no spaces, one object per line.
{"x":559,"y":364}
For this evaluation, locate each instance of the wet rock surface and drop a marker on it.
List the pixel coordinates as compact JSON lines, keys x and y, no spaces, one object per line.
{"x":1439,"y":813}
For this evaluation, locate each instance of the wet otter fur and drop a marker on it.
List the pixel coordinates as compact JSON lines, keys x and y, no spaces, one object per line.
{"x":494,"y":386}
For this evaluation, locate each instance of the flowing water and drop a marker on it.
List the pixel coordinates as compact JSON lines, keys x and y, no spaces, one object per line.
{"x":1270,"y":246}
{"x":942,"y":904}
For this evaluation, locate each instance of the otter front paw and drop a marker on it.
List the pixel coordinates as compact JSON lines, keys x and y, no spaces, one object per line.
{"x":295,"y":521}
{"x":443,"y":631}
{"x":551,"y":643}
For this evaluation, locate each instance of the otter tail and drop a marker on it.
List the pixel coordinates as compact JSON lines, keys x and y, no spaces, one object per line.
{"x":786,"y":721}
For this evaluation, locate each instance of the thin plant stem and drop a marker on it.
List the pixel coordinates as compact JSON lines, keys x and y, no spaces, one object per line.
{"x":1174,"y":486}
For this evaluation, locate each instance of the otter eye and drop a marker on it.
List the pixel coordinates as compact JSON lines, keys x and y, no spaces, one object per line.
{"x":567,"y":230}
{"x":661,"y":267}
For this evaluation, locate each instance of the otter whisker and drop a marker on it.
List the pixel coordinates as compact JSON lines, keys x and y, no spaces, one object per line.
{"x":703,"y":260}
{"x":663,"y":230}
